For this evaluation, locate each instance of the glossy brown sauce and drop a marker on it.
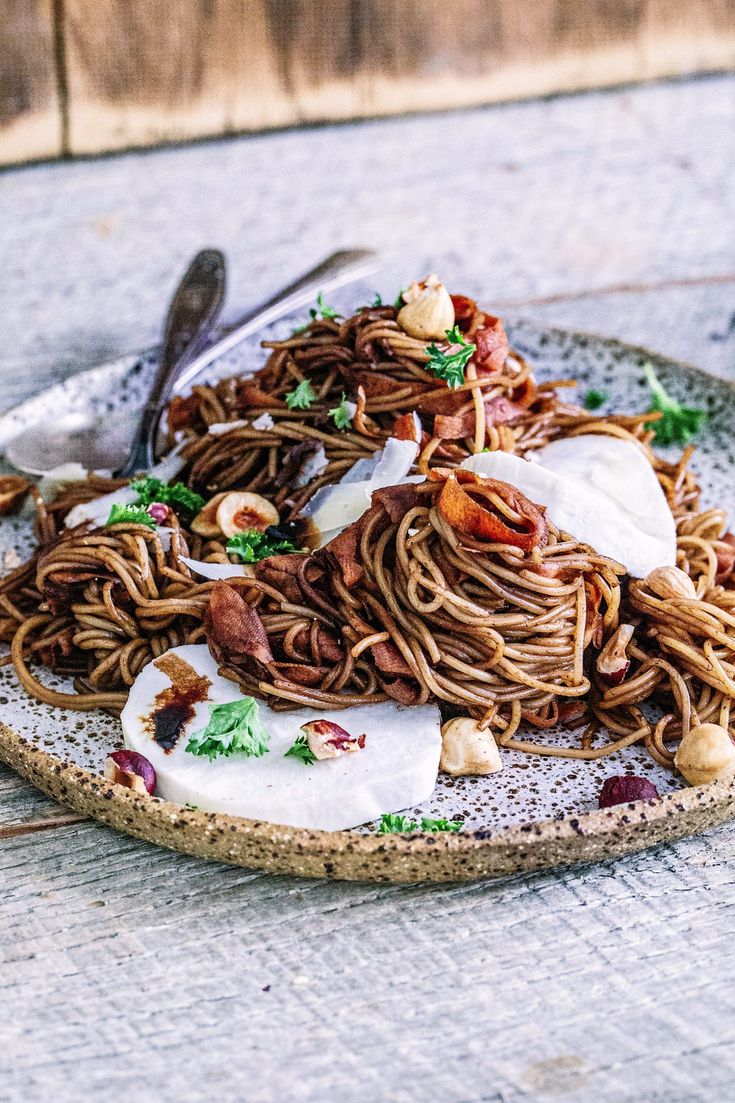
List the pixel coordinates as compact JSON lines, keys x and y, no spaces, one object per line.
{"x":174,"y":706}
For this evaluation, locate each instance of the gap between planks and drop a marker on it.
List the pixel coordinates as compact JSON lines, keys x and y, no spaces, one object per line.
{"x":49,"y":823}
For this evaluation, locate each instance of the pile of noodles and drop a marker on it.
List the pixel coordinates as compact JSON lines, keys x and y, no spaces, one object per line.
{"x":457,"y":590}
{"x":370,"y":361}
{"x":412,"y":603}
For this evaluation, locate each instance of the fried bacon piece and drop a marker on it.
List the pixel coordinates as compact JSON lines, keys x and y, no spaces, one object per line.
{"x":507,"y":517}
{"x":235,"y":632}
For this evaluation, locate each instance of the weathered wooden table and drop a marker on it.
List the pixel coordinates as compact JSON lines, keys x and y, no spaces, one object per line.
{"x":130,"y":973}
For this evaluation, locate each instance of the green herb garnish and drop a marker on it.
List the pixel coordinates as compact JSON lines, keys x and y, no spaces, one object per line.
{"x":594,"y":399}
{"x":322,"y":310}
{"x":301,"y":397}
{"x":129,"y":515}
{"x":378,"y":300}
{"x":341,"y":415}
{"x":678,"y":424}
{"x":252,"y":546}
{"x":450,"y":365}
{"x":300,"y":749}
{"x":233,"y":728}
{"x":391,"y":824}
{"x":184,"y":502}
{"x":399,"y":299}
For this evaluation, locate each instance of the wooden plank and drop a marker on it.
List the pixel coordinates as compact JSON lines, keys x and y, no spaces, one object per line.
{"x":234,"y":65}
{"x":215,"y":983}
{"x":24,"y":809}
{"x":30,"y":114}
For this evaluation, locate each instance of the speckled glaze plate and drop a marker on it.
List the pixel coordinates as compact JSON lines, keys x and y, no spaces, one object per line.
{"x":536,"y":813}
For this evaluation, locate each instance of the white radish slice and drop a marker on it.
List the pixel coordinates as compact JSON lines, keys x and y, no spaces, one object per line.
{"x":586,"y":497}
{"x":396,"y":769}
{"x":218,"y":570}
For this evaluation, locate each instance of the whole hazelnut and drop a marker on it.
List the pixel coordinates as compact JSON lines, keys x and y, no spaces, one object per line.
{"x":670,"y":582}
{"x":706,"y":753}
{"x":466,"y":750}
{"x":429,"y":311}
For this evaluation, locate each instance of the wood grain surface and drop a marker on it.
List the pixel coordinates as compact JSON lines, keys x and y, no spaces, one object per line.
{"x":139,"y":72}
{"x":30,"y":107}
{"x":132,"y":973}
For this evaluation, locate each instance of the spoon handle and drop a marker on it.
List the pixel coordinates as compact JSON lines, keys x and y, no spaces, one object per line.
{"x":191,"y":315}
{"x":344,"y":266}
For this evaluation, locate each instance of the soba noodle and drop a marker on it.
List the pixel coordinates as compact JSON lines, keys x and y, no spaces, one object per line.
{"x":417,"y":607}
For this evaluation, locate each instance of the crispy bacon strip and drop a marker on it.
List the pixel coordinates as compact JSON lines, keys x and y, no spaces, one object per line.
{"x":389,"y":660}
{"x":233,"y":629}
{"x":407,"y":427}
{"x":463,"y":512}
{"x":396,"y":500}
{"x":342,"y":551}
{"x":498,"y":411}
{"x":726,"y":557}
{"x":492,"y":344}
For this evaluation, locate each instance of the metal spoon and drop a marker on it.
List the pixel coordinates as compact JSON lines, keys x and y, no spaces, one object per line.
{"x":77,"y":437}
{"x":342,"y":267}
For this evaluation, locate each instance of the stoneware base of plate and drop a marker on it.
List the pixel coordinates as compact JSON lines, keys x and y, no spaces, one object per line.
{"x":347,"y":856}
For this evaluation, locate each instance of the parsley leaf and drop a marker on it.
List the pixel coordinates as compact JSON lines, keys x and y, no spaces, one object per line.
{"x":679,"y":423}
{"x":322,"y":310}
{"x":450,"y":365}
{"x":343,"y":414}
{"x":378,"y":300}
{"x":441,"y":825}
{"x":399,"y":299}
{"x":301,"y":397}
{"x":252,"y":546}
{"x":186,"y":503}
{"x":399,"y":825}
{"x":233,"y":728}
{"x":301,"y":750}
{"x":129,"y":515}
{"x":594,"y":399}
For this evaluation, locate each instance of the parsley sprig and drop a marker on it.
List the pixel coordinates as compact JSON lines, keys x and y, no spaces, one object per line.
{"x":343,"y":414}
{"x":129,"y":515}
{"x":233,"y":728}
{"x":594,"y":399}
{"x":252,"y":546}
{"x":321,"y":310}
{"x":450,"y":364}
{"x":678,"y":424}
{"x":394,"y":824}
{"x":301,"y":750}
{"x":301,"y":397}
{"x":184,"y":502}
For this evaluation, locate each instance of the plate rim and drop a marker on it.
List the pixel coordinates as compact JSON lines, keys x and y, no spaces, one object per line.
{"x":479,"y":854}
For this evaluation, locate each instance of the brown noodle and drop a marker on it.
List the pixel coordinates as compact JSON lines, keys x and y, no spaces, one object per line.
{"x":503,"y":633}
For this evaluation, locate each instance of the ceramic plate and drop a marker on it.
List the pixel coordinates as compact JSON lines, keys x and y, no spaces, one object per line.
{"x":538,"y":812}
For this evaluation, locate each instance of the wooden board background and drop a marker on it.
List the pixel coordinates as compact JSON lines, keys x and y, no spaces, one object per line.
{"x":85,"y":76}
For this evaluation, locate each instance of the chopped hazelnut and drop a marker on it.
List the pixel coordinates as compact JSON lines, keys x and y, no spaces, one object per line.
{"x":613,"y":662}
{"x":240,"y":511}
